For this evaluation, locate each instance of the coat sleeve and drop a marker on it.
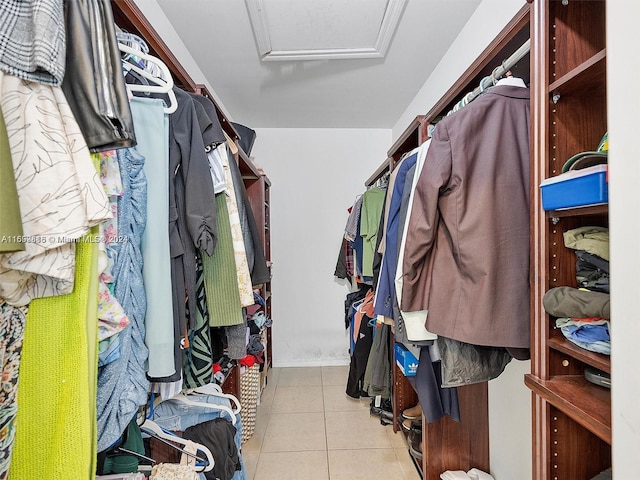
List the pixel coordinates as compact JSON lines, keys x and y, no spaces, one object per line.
{"x":423,"y":221}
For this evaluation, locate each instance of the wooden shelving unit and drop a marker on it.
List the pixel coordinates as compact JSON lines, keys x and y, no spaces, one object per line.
{"x":571,"y":416}
{"x":258,"y":189}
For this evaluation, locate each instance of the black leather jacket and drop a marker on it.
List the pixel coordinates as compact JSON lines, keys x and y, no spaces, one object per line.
{"x":93,"y":81}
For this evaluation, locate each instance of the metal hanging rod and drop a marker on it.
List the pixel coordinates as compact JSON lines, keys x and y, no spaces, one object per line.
{"x":497,"y":73}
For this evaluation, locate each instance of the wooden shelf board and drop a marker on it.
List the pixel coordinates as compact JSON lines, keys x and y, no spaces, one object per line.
{"x":597,"y":360}
{"x":600,"y":209}
{"x":586,"y":403}
{"x":584,"y":78}
{"x":247,"y":167}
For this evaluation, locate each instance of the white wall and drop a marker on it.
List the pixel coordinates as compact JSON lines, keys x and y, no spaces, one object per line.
{"x":316,"y":175}
{"x":510,"y":424}
{"x":623,"y":71}
{"x":509,"y":399}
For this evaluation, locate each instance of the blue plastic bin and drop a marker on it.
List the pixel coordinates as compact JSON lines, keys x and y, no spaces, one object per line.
{"x":576,"y":188}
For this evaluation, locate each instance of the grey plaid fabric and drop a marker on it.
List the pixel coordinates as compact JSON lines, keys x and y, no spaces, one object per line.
{"x":32,"y":40}
{"x":351,"y":229}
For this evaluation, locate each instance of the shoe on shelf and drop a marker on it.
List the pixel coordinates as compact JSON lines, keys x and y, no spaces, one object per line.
{"x":409,"y":425}
{"x":415,"y":445}
{"x":412,"y":413}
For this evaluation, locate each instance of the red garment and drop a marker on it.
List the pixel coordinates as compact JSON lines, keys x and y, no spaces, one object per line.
{"x":588,"y":319}
{"x":247,"y":360}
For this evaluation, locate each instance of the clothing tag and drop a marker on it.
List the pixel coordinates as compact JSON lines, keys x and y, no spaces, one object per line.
{"x":378,"y":401}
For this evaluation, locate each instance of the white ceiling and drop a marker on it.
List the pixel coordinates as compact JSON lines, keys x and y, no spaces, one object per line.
{"x":322,"y":92}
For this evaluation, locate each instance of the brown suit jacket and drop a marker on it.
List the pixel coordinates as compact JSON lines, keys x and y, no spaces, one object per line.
{"x":466,"y":257}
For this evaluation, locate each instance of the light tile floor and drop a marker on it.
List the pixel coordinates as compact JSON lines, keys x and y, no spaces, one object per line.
{"x":307,"y":428}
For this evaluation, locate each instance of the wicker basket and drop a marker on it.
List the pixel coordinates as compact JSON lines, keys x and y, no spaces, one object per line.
{"x":249,"y":393}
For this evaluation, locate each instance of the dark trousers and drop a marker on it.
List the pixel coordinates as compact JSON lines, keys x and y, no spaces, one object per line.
{"x":359,"y":358}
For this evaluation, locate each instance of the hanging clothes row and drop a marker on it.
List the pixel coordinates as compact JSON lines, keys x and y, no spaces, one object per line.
{"x":128,"y":248}
{"x":468,"y":235}
{"x":358,"y":260}
{"x":452,"y":247}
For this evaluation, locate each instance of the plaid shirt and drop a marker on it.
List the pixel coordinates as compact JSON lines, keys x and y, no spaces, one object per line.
{"x":32,"y":40}
{"x":351,"y":228}
{"x":349,"y":260}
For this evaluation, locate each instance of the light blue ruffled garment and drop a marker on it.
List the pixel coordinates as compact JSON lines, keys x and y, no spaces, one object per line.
{"x":122,"y":384}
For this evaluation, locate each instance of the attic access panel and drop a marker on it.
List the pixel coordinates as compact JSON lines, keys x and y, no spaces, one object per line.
{"x":323,"y":29}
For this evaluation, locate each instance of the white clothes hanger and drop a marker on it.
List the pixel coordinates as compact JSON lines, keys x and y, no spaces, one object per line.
{"x":215,"y":390}
{"x":151,"y":427}
{"x":138,"y":44}
{"x":232,"y":145}
{"x":182,"y":398}
{"x":160,"y":84}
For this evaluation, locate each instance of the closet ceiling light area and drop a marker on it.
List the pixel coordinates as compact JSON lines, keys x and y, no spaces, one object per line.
{"x":317,"y":63}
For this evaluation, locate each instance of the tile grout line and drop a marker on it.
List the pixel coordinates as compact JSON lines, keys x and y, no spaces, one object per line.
{"x":326,"y":439}
{"x":326,"y":381}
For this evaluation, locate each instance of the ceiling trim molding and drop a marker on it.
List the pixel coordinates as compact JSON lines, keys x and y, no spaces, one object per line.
{"x":260,"y":26}
{"x":389,"y":25}
{"x":321,"y":54}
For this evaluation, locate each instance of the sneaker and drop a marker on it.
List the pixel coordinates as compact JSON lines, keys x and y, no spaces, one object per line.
{"x":385,"y":410}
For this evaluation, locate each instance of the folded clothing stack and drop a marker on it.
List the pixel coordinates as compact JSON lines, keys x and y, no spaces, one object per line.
{"x":582,"y":316}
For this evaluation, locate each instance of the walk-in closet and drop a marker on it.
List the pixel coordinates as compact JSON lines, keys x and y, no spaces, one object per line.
{"x":323,"y":240}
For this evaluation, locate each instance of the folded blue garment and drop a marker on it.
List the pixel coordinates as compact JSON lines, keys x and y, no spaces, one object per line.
{"x":588,"y":333}
{"x":595,"y":338}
